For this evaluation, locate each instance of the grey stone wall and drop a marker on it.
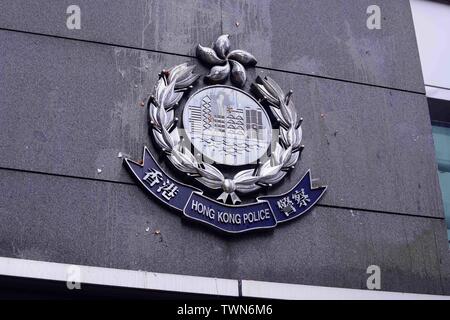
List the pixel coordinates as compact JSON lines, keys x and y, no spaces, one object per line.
{"x":70,"y":101}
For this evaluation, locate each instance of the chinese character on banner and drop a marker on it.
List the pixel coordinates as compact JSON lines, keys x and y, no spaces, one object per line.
{"x":301,"y":198}
{"x":153,"y":177}
{"x":285,"y":205}
{"x":169,"y":190}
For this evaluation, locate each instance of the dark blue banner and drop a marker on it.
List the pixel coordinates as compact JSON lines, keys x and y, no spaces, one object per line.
{"x":267,"y":212}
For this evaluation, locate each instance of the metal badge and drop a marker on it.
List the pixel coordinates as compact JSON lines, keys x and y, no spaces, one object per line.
{"x":225,"y":127}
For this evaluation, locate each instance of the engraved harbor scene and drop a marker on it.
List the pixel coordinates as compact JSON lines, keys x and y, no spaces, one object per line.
{"x":227,"y":125}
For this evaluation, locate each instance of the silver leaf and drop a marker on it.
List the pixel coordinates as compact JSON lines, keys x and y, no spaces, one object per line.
{"x":166,"y":95}
{"x":275,"y":159}
{"x":291,"y":136}
{"x":285,"y":156}
{"x":277,"y":113}
{"x":222,"y":45}
{"x":244,"y":57}
{"x":263,"y":93}
{"x":295,"y":117}
{"x":153,"y":112}
{"x":173,"y":98}
{"x":161,"y":116}
{"x":288,"y":115}
{"x":268,"y":171}
{"x":238,"y":75}
{"x":283,"y":135}
{"x":212,"y":184}
{"x":188,"y":165}
{"x":159,"y":89}
{"x":219,"y":73}
{"x":298,"y":137}
{"x":243,"y":173}
{"x":169,"y":118}
{"x":167,"y":138}
{"x":188,"y":155}
{"x":245,"y":178}
{"x":274,"y":178}
{"x":208,"y":55}
{"x":177,"y":71}
{"x":186,"y":82}
{"x":175,"y":161}
{"x":211,"y":172}
{"x":273,"y":87}
{"x":160,"y":140}
{"x":181,"y":74}
{"x":175,"y":136}
{"x":181,"y":166}
{"x":247,"y":188}
{"x":292,"y":160}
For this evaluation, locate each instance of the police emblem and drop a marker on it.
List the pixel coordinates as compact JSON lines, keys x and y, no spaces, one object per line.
{"x":228,"y":140}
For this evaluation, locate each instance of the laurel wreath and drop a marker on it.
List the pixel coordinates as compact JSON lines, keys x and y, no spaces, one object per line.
{"x":170,"y":88}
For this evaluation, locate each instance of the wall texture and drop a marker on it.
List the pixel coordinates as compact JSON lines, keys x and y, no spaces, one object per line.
{"x":70,"y":102}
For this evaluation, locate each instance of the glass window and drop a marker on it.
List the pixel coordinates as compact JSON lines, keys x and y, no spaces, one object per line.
{"x":441,"y":136}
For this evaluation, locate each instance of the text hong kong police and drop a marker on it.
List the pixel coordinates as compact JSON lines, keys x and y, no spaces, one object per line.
{"x":238,"y":218}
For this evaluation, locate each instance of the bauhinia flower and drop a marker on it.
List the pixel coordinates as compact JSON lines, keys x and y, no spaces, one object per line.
{"x":225,"y":62}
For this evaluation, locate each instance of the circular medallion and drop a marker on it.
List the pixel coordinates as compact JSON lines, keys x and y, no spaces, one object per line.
{"x":227,"y":125}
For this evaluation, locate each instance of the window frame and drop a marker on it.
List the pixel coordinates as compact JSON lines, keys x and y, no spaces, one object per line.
{"x":439,"y":110}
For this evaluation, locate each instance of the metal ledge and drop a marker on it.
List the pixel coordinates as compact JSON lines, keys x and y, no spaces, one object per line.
{"x":193,"y":284}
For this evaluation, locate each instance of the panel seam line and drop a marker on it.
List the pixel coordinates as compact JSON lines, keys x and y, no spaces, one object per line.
{"x":134,"y":184}
{"x":192,"y":57}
